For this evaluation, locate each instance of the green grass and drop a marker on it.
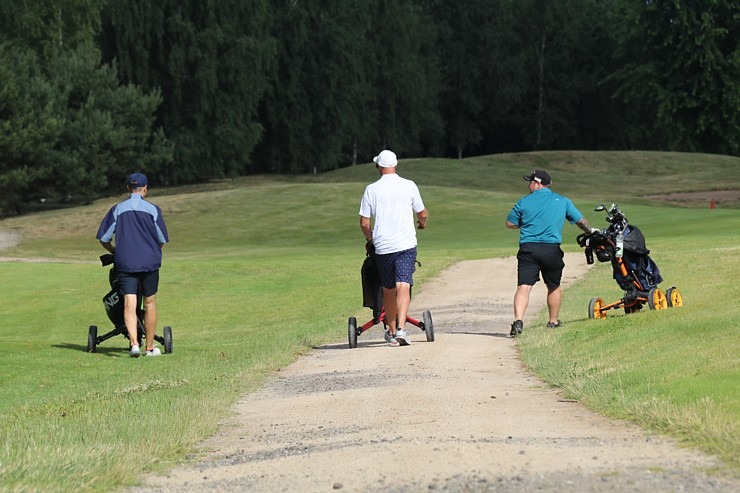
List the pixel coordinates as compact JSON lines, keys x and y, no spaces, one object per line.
{"x":675,"y":371}
{"x":262,"y":269}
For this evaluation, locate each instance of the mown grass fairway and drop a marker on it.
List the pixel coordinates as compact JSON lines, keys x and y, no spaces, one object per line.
{"x":260,"y":270}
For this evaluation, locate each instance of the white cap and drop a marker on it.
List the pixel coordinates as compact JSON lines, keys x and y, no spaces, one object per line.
{"x":386,"y":159}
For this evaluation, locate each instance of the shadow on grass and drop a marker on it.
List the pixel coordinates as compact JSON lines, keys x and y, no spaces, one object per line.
{"x":104,"y":351}
{"x":381,"y":343}
{"x":499,"y":335}
{"x":345,"y":345}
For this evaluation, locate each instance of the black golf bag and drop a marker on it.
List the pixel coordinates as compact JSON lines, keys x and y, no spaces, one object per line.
{"x":372,"y":289}
{"x":623,"y":245}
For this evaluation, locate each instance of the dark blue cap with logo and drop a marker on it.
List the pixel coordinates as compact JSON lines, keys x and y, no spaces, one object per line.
{"x":137,"y":180}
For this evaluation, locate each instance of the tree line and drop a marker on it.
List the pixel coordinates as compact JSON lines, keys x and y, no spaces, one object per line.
{"x":192,"y":90}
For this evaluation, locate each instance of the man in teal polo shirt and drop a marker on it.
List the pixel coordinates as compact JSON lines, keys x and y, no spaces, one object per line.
{"x":539,"y":217}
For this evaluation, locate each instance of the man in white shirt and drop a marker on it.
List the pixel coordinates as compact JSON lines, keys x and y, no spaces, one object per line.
{"x":393,"y":201}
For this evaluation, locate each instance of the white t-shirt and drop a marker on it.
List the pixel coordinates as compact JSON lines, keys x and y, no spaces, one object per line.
{"x":392,"y":200}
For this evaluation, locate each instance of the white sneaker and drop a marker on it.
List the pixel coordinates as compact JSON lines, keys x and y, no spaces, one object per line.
{"x":402,"y":338}
{"x":390,"y":340}
{"x":154,"y":352}
{"x":135,"y":351}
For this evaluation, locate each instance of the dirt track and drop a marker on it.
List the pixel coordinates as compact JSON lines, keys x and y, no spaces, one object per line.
{"x":456,"y":415}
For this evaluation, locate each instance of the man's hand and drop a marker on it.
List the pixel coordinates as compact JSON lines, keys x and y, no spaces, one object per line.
{"x":421,"y":219}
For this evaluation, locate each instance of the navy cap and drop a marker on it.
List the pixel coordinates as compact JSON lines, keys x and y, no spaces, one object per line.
{"x":137,"y":180}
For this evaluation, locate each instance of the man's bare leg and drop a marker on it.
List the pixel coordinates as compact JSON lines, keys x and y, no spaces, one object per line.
{"x":129,"y":317}
{"x":521,"y":301}
{"x":150,"y":320}
{"x":554,"y":300}
{"x":391,"y":310}
{"x":403,"y":301}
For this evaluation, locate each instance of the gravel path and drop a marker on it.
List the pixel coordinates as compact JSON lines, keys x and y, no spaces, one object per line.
{"x":460,"y":414}
{"x":8,"y":240}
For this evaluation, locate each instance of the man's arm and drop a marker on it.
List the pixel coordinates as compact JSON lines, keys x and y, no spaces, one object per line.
{"x":583,"y":224}
{"x":365,"y":227}
{"x":511,"y":225}
{"x":108,"y":246}
{"x":421,"y":219}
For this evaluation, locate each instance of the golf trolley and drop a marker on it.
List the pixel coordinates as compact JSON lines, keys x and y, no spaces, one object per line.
{"x":623,"y":244}
{"x":372,"y":293}
{"x":113,"y":302}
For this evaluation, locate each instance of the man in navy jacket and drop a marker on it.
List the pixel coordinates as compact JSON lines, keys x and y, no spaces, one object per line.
{"x":140,"y":234}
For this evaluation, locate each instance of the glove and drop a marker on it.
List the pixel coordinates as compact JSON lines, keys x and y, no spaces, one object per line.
{"x":595,"y":230}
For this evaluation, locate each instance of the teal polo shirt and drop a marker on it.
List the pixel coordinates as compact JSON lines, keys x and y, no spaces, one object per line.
{"x":540,"y":216}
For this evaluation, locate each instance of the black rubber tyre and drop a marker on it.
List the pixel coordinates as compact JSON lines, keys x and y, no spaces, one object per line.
{"x":657,"y":299}
{"x":92,"y":338}
{"x":674,"y":297}
{"x":594,"y":308}
{"x":167,"y":336}
{"x":352,"y":332}
{"x":428,"y":325}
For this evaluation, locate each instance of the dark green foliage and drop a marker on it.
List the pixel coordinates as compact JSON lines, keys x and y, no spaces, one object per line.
{"x":353,"y":76}
{"x":108,"y":129}
{"x":405,"y":75}
{"x":49,"y":27}
{"x":524,"y":74}
{"x":319,"y":94}
{"x":209,"y":58}
{"x":567,"y":49}
{"x":29,"y":126}
{"x":682,"y":72}
{"x":70,"y":130}
{"x":192,"y":90}
{"x":482,"y":67}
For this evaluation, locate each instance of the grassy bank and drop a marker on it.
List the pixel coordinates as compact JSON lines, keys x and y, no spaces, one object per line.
{"x":260,"y":270}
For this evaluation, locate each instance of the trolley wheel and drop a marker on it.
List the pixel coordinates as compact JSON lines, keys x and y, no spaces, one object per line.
{"x":594,"y":308}
{"x":657,"y":299}
{"x":352,"y":332}
{"x":92,"y":338}
{"x":674,"y":297}
{"x":167,"y":337}
{"x":428,"y":325}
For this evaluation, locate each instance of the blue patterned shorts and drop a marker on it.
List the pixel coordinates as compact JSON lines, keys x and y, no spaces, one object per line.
{"x":396,"y":267}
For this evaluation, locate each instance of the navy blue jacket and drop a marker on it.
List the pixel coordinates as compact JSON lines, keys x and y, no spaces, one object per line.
{"x":140,"y":232}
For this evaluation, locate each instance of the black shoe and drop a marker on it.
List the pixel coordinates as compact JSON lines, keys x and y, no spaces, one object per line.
{"x":516,"y":328}
{"x":554,"y":325}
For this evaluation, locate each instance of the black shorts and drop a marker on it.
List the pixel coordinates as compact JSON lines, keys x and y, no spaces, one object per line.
{"x":536,"y":258}
{"x":130,"y":282}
